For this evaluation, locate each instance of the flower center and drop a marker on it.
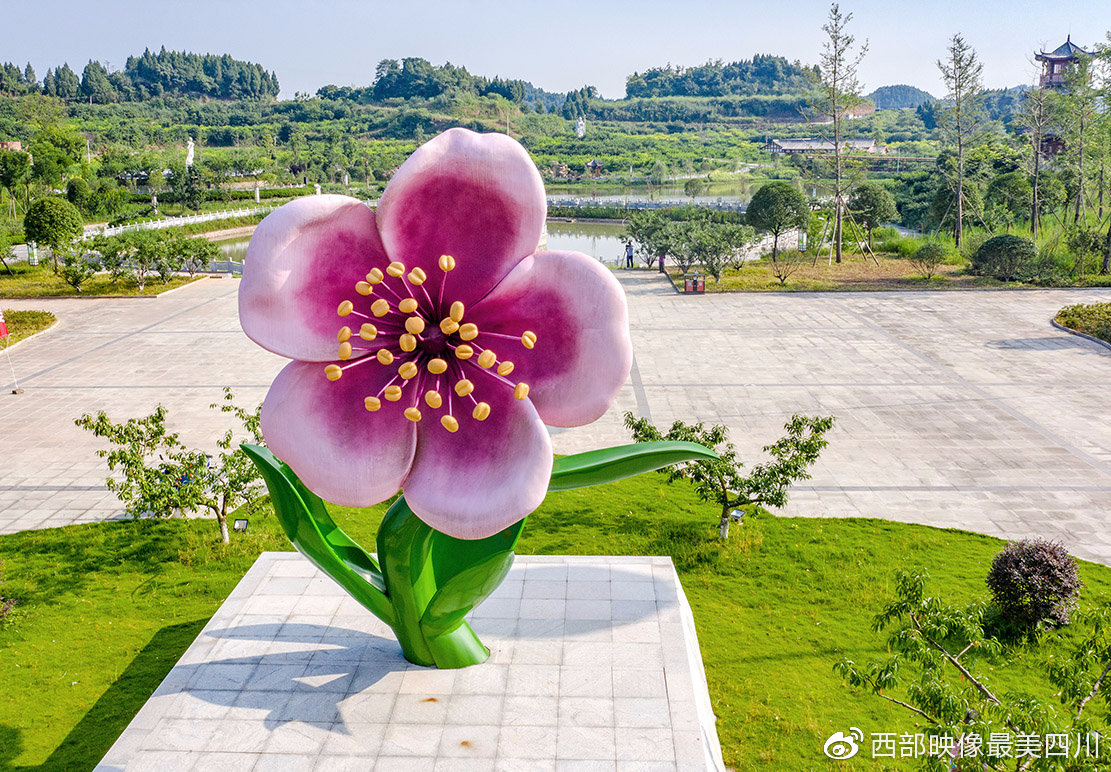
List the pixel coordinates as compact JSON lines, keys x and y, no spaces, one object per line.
{"x":433,"y":354}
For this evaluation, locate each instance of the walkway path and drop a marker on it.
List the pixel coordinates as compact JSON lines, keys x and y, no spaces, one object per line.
{"x":961,"y":409}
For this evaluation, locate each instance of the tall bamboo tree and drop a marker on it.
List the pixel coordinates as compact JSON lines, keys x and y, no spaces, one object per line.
{"x":961,"y":117}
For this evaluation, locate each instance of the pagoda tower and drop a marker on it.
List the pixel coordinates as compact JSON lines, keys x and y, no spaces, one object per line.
{"x":1057,"y":63}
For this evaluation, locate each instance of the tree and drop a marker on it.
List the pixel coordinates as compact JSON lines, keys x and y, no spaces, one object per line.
{"x":776,"y":208}
{"x":15,"y":167}
{"x":1039,"y":112}
{"x":695,"y":187}
{"x":872,"y":205}
{"x":962,"y":72}
{"x":714,"y":244}
{"x":1010,"y":191}
{"x":720,"y":481}
{"x":655,"y":234}
{"x":839,"y":93}
{"x":53,"y":222}
{"x":1080,"y":99}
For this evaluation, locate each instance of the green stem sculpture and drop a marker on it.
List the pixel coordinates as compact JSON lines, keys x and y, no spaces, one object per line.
{"x":423,"y":583}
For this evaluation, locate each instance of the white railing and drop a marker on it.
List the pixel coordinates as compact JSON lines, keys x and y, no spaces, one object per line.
{"x":173,"y":222}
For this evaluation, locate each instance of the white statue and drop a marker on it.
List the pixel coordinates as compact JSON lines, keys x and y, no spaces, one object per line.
{"x":189,"y":152}
{"x":580,"y":127}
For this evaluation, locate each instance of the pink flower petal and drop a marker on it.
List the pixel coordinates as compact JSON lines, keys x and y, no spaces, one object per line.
{"x":486,"y":476}
{"x":476,"y":197}
{"x":582,"y":354}
{"x":343,"y":453}
{"x":303,"y":260}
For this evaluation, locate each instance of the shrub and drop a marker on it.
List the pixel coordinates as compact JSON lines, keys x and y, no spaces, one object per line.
{"x":928,"y":257}
{"x":1003,"y":257}
{"x":1034,"y":580}
{"x":972,"y":242}
{"x":1093,"y":319}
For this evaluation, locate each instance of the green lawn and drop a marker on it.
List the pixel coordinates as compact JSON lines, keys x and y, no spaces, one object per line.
{"x":39,"y":281}
{"x":24,"y":324}
{"x":105,"y":610}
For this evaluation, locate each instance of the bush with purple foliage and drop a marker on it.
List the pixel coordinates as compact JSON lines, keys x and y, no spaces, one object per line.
{"x":1034,"y":580}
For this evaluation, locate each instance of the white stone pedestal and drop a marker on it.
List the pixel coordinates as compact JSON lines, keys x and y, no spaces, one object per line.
{"x":594,"y":665}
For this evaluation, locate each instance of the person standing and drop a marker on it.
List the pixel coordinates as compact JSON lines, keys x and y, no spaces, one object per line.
{"x":628,"y":254}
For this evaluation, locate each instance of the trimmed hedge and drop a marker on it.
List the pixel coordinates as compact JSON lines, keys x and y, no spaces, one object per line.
{"x":1004,"y":257}
{"x":1093,"y":319}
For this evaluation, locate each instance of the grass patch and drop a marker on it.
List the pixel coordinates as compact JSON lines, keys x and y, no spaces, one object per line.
{"x":40,"y":281}
{"x":104,"y":610}
{"x":1092,"y":319}
{"x":24,"y":324}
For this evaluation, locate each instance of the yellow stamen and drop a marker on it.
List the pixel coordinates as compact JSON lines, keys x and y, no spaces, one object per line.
{"x":407,"y":370}
{"x":345,"y":350}
{"x":528,"y":339}
{"x":449,"y":423}
{"x":407,"y":306}
{"x":464,"y":387}
{"x":363,"y":288}
{"x":395,"y":269}
{"x":433,"y":398}
{"x":520,"y":391}
{"x":345,"y":308}
{"x":344,"y":334}
{"x":393,"y":393}
{"x":375,"y":276}
{"x":468,"y":331}
{"x":407,"y":342}
{"x":417,"y":276}
{"x":333,"y":372}
{"x":415,"y":325}
{"x":380,"y":307}
{"x":448,"y":325}
{"x":384,"y":356}
{"x":456,"y":311}
{"x":412,"y":414}
{"x":464,"y":351}
{"x":437,"y":366}
{"x":368,"y":331}
{"x":487,"y":358}
{"x":447,"y":262}
{"x":505,"y":368}
{"x":372,"y":404}
{"x":481,"y":411}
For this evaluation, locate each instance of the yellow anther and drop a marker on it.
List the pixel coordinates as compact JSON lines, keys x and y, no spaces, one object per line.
{"x":528,"y":339}
{"x":505,"y":368}
{"x":380,"y":307}
{"x":464,"y":351}
{"x":464,"y":387}
{"x":333,"y":372}
{"x":415,"y":325}
{"x":447,"y":262}
{"x":456,"y":311}
{"x":407,"y":342}
{"x":433,"y":398}
{"x":487,"y":358}
{"x":412,"y":414}
{"x":384,"y":356}
{"x":368,"y":331}
{"x":468,"y":331}
{"x":375,"y":276}
{"x":417,"y":276}
{"x":345,"y":350}
{"x":448,"y":325}
{"x":344,"y":334}
{"x":407,"y":370}
{"x":436,"y":366}
{"x":372,"y":404}
{"x":395,"y":269}
{"x":363,"y":288}
{"x":449,"y":423}
{"x":481,"y":411}
{"x":520,"y":391}
{"x":345,"y":308}
{"x":407,"y":306}
{"x":393,"y":393}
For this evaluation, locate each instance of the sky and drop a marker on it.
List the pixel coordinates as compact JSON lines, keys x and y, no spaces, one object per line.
{"x":557,"y":46}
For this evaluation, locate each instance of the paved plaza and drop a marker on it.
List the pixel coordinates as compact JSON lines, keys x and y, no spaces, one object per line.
{"x":963,"y":409}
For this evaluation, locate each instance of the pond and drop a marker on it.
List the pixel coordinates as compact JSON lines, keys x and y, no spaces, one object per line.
{"x":602,"y":241}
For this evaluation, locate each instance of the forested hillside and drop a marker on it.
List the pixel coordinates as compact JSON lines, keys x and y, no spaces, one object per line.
{"x":762,"y":74}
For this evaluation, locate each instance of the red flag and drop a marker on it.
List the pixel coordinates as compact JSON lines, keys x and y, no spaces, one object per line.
{"x":3,"y":326}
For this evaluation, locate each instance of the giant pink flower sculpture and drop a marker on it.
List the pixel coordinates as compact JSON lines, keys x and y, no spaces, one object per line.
{"x":431,"y":342}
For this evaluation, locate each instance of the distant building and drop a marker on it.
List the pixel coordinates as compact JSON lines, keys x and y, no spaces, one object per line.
{"x":1059,"y":62}
{"x":594,"y":168}
{"x":823,"y":146}
{"x":14,"y":144}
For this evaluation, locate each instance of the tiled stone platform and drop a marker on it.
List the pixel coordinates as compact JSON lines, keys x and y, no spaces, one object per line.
{"x":594,"y":666}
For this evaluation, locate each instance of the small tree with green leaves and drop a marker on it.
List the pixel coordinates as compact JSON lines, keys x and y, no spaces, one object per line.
{"x":53,"y":222}
{"x":159,"y":476}
{"x":776,"y":208}
{"x":76,"y":267}
{"x":655,"y":235}
{"x":721,"y":481}
{"x":872,"y":205}
{"x":927,"y":258}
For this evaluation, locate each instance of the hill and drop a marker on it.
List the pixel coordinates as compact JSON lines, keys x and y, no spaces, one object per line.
{"x":762,"y":74}
{"x":900,"y":97}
